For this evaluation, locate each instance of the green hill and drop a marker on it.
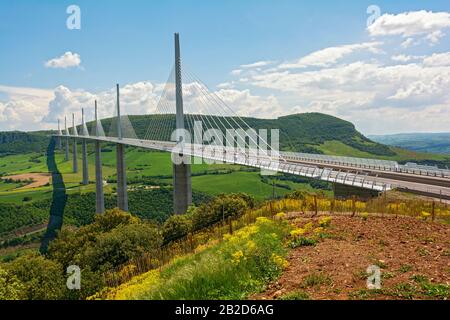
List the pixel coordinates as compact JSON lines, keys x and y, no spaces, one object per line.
{"x":16,"y":142}
{"x":305,"y":132}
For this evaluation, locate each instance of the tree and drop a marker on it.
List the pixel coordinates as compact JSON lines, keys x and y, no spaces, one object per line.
{"x":176,"y":227}
{"x":43,"y":279}
{"x":125,"y":242}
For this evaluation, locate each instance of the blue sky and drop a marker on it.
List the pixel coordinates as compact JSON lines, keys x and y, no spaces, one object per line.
{"x":131,"y":42}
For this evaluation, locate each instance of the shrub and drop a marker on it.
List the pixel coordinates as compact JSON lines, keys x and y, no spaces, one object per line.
{"x":11,"y":288}
{"x":42,"y":279}
{"x":176,"y":227}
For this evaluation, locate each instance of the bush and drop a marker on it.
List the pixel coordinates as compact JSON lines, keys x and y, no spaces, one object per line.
{"x":10,"y":287}
{"x":220,"y":208}
{"x":176,"y":227}
{"x":42,"y":279}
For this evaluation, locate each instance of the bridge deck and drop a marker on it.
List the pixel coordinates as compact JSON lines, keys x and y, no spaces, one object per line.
{"x":367,"y":178}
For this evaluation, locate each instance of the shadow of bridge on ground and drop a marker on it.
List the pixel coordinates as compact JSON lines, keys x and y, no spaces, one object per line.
{"x":59,"y":198}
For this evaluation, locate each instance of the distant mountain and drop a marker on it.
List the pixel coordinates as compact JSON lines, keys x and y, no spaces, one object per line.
{"x":421,"y":142}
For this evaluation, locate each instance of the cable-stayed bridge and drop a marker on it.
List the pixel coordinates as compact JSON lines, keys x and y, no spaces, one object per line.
{"x":194,"y":126}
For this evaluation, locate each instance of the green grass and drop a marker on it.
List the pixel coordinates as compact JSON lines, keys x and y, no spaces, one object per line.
{"x":233,"y":269}
{"x":295,"y":295}
{"x":248,"y":182}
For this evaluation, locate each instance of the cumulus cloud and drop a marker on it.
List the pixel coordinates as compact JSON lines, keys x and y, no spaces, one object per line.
{"x":438,"y":60}
{"x":329,"y":56}
{"x":365,"y":91}
{"x":67,"y":60}
{"x":23,"y":108}
{"x":410,"y":24}
{"x":32,"y":109}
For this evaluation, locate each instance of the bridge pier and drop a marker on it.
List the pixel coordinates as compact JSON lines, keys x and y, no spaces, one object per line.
{"x":122,"y":194}
{"x":74,"y":156}
{"x":99,"y":195}
{"x":85,"y":162}
{"x":66,"y":157}
{"x":182,"y":187}
{"x":74,"y":147}
{"x":84,"y":151}
{"x":58,"y":139}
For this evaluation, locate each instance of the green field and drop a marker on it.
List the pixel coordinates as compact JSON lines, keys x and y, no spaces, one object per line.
{"x":139,"y":163}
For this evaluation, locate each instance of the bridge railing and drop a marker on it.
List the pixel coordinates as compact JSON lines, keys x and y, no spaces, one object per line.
{"x":363,"y":163}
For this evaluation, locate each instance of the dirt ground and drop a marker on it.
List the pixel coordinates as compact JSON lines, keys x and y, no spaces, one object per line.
{"x":39,"y":179}
{"x":411,"y":253}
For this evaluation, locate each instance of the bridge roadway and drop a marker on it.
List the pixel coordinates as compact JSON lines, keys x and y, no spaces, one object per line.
{"x":367,"y":178}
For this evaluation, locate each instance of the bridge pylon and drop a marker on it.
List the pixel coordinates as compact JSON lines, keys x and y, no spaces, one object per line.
{"x":182,"y":187}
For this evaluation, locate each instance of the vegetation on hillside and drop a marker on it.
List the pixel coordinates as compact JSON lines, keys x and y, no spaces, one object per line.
{"x":16,"y":142}
{"x":240,"y":265}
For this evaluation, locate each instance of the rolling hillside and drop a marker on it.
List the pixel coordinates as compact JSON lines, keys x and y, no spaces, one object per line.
{"x":307,"y":132}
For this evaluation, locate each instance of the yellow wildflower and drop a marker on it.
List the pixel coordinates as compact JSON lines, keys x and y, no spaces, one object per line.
{"x":364,"y":215}
{"x":425,"y":215}
{"x":280,"y":215}
{"x":318,"y":230}
{"x":297,"y":232}
{"x":279,"y":261}
{"x":251,"y":245}
{"x":237,"y":256}
{"x":308,"y":226}
{"x":325,"y":221}
{"x":262,"y":220}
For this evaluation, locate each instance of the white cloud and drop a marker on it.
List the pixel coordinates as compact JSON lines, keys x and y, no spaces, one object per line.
{"x":32,"y":109}
{"x":410,"y":24}
{"x":23,"y":108}
{"x":258,"y":64}
{"x":236,"y":72}
{"x":408,"y":43}
{"x":67,"y":60}
{"x":405,"y":58}
{"x":438,"y":60}
{"x":329,"y":56}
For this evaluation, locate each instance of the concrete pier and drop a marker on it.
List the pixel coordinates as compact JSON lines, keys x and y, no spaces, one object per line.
{"x":85,"y":162}
{"x":99,"y":195}
{"x":122,"y":194}
{"x":58,"y":139}
{"x":66,"y":157}
{"x":84,"y":152}
{"x":74,"y":147}
{"x":182,"y":189}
